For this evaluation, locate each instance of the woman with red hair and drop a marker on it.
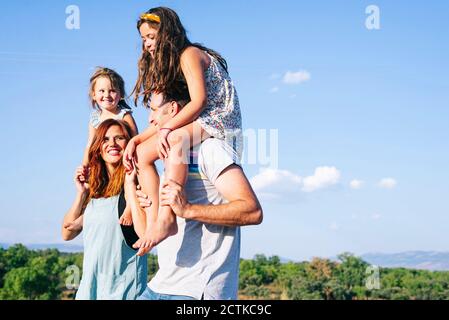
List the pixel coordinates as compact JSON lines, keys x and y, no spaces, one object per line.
{"x":111,"y":268}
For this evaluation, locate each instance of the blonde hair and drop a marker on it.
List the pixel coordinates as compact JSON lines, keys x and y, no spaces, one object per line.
{"x":116,"y":81}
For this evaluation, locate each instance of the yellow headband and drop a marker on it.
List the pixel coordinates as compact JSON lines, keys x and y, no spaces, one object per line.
{"x":150,"y":16}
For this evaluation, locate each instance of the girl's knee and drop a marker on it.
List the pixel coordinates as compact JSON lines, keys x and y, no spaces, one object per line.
{"x":179,"y":137}
{"x":143,"y":156}
{"x":177,"y":156}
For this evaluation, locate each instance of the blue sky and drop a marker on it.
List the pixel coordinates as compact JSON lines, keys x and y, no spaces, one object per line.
{"x":349,"y":104}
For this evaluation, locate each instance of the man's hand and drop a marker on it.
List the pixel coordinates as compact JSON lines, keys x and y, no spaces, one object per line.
{"x":144,"y":201}
{"x":173,"y":195}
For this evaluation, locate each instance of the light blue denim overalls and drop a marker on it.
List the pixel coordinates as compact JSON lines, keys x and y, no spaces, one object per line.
{"x":111,"y":269}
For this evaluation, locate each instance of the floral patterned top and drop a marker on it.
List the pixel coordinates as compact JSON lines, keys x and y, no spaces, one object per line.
{"x":222,"y":118}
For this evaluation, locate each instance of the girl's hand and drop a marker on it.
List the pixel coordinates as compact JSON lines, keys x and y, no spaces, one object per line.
{"x":81,"y":179}
{"x":128,"y":155}
{"x":130,"y":177}
{"x":163,"y":145}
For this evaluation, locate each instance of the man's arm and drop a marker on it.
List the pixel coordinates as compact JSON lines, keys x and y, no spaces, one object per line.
{"x":242,"y":208}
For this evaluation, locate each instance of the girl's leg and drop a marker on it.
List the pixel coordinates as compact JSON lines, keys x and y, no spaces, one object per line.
{"x":127,"y":218}
{"x":176,"y":168}
{"x":162,"y":224}
{"x":146,"y":155}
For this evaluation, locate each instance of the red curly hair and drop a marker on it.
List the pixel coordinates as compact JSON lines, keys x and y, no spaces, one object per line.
{"x":101,"y":184}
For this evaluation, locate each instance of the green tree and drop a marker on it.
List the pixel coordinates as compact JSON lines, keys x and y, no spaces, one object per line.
{"x":14,"y":257}
{"x":259,"y":271}
{"x":351,"y":276}
{"x":37,"y":281}
{"x":152,"y":265}
{"x":3,"y":266}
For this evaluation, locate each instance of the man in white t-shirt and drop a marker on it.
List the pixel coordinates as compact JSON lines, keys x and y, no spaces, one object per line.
{"x":202,"y":260}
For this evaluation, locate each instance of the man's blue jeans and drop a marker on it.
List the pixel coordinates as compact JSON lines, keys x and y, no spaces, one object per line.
{"x":149,"y":294}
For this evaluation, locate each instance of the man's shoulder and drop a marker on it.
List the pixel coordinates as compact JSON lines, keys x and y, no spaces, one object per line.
{"x":212,"y":150}
{"x":215,"y":145}
{"x":214,"y":155}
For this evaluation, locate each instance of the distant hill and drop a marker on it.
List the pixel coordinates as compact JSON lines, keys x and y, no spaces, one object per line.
{"x":62,"y":247}
{"x":424,"y":260}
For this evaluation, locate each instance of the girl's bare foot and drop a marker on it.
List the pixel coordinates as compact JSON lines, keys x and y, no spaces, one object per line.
{"x":126,"y":219}
{"x":166,"y":224}
{"x":157,"y":231}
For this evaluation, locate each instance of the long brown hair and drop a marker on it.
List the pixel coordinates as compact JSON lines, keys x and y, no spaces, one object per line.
{"x":163,"y":72}
{"x":101,"y":184}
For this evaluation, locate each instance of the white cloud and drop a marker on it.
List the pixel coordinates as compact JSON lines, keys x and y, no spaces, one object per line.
{"x":334,"y":226}
{"x":275,"y":181}
{"x":376,"y":216}
{"x":322,"y":178}
{"x":274,"y":89}
{"x":275,"y":184}
{"x":387,"y":183}
{"x":356,"y":184}
{"x":296,"y":77}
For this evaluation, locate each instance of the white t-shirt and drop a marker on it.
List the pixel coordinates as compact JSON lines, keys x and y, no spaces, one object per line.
{"x":201,"y":260}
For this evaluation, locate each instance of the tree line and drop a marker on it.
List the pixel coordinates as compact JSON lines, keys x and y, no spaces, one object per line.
{"x":349,"y":278}
{"x":48,"y":274}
